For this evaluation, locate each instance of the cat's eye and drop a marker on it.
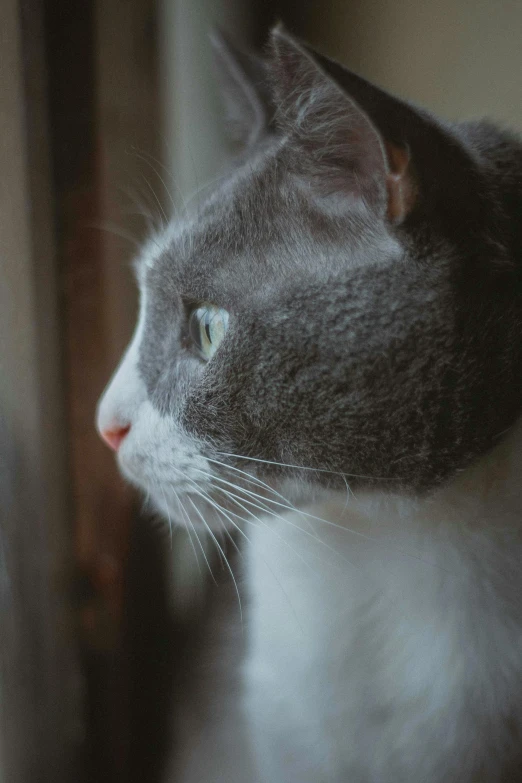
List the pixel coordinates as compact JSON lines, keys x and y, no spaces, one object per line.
{"x":207,"y":328}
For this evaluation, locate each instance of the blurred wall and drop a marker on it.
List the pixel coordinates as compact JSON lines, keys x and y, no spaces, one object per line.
{"x":40,"y":717}
{"x":195,"y":145}
{"x":461,"y":58}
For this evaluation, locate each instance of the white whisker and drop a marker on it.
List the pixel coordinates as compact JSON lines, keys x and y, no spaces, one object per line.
{"x":168,"y":514}
{"x":158,"y":202}
{"x":287,"y":521}
{"x":301,"y":467}
{"x":256,"y":482}
{"x":221,"y":550}
{"x":233,"y":499}
{"x":250,"y":478}
{"x":330,"y":523}
{"x":225,"y":513}
{"x":147,"y":159}
{"x":189,"y":527}
{"x":269,"y":511}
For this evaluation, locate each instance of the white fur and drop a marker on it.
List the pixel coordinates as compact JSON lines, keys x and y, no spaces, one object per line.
{"x":157,"y":455}
{"x":400,"y":665}
{"x":385,"y":650}
{"x":125,"y":392}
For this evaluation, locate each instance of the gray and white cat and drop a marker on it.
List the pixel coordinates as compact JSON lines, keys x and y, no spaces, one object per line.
{"x":328,"y":357}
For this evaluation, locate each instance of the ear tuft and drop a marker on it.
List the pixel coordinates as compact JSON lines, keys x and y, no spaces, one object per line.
{"x":337,"y":148}
{"x":293,"y":72}
{"x":244,"y":86}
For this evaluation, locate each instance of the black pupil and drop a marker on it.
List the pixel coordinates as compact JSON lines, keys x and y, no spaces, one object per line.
{"x":207,"y":328}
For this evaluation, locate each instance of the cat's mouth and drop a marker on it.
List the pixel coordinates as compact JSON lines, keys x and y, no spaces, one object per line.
{"x":211,"y":493}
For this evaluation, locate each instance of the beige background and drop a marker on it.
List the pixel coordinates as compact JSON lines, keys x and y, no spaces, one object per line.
{"x":462,"y":58}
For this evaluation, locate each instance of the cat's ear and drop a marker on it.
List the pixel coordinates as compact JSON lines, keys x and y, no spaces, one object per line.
{"x":339,"y":149}
{"x":245,"y":88}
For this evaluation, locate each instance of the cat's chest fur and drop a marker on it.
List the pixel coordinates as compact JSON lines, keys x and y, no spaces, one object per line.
{"x":393,"y":652}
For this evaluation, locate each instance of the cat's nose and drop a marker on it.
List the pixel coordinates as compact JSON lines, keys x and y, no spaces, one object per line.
{"x":114,"y":436}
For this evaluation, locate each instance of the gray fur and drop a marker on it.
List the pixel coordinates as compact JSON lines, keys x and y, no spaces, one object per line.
{"x":392,"y":352}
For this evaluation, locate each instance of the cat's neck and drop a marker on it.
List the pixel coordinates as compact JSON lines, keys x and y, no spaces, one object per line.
{"x":468,"y":529}
{"x":484,"y":498}
{"x":459,"y":548}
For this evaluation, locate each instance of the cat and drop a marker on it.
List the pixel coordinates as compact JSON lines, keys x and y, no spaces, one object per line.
{"x":328,"y":363}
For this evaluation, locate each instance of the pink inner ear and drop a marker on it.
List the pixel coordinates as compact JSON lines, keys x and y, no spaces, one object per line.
{"x":400,"y":182}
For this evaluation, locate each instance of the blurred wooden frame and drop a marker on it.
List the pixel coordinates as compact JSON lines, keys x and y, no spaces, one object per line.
{"x":104,"y":114}
{"x":105,"y":133}
{"x":41,"y":705}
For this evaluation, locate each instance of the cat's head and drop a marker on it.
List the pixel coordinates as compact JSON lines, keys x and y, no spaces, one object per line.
{"x":348,"y":300}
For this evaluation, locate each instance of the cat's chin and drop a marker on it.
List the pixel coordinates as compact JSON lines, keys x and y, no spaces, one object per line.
{"x":192,"y":512}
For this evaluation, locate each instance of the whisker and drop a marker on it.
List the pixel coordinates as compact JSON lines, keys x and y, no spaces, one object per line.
{"x":287,"y":521}
{"x":307,"y":514}
{"x":190,"y":526}
{"x":348,"y":491}
{"x":232,"y":540}
{"x":148,"y":160}
{"x":261,"y":499}
{"x":219,"y":508}
{"x":250,"y":478}
{"x":301,"y":467}
{"x":270,"y":529}
{"x":255,"y":480}
{"x":267,"y":510}
{"x":158,"y":202}
{"x":330,"y":523}
{"x":196,"y":509}
{"x":142,"y":208}
{"x":168,"y":514}
{"x":113,"y":228}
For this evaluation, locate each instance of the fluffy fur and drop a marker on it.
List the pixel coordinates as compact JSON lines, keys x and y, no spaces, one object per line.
{"x":357,"y":426}
{"x":404,"y":663}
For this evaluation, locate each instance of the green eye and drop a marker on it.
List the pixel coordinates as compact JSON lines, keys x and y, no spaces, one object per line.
{"x":207,"y":327}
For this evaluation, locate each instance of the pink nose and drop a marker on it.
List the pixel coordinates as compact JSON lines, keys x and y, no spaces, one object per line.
{"x":114,"y":437}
